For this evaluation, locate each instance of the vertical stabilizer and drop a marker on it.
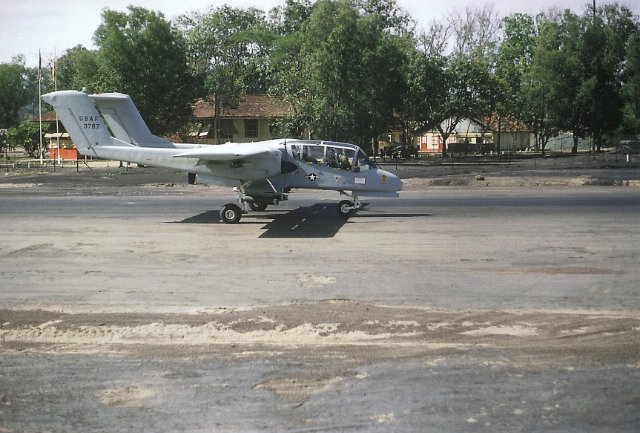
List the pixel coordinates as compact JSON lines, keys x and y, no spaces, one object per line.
{"x":125,"y":120}
{"x":81,"y":119}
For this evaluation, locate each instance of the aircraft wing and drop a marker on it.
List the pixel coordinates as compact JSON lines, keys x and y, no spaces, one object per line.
{"x":227,"y":152}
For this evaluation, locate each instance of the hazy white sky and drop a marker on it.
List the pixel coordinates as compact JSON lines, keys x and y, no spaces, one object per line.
{"x":55,"y":26}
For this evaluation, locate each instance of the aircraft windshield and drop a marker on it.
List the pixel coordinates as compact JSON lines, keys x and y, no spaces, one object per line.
{"x":334,"y":156}
{"x":339,"y":158}
{"x":363,"y":163}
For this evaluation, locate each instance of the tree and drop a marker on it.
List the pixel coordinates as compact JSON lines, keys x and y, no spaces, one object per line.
{"x":513,"y":61}
{"x":228,"y":49}
{"x":446,"y":90}
{"x":25,"y":135}
{"x":142,"y":55}
{"x":288,"y":19}
{"x":553,"y":80}
{"x":618,"y":27}
{"x":631,"y":86}
{"x":331,"y":52}
{"x":77,"y":69}
{"x":326,"y":70}
{"x":475,"y":32}
{"x":599,"y":93}
{"x":13,"y":91}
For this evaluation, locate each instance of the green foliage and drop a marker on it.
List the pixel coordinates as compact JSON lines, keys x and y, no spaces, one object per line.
{"x":288,"y":19}
{"x":228,"y":48}
{"x":599,"y":94}
{"x":513,"y":63}
{"x":76,"y":69}
{"x":353,"y":69}
{"x":631,"y":86}
{"x":446,"y":90}
{"x":25,"y":135}
{"x":13,"y":92}
{"x":326,"y":70}
{"x":142,"y":55}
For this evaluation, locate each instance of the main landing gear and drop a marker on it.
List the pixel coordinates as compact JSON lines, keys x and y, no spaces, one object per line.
{"x":231,"y":213}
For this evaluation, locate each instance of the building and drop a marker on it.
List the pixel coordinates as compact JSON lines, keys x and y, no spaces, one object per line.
{"x":474,"y":137}
{"x":469,"y":137}
{"x":57,"y":139}
{"x":510,"y":135}
{"x":251,"y":120}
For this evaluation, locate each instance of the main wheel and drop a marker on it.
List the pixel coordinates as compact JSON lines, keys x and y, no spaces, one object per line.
{"x":230,"y":213}
{"x":345,"y":208}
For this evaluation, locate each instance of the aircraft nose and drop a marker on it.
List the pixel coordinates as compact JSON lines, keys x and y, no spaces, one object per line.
{"x":392,"y":181}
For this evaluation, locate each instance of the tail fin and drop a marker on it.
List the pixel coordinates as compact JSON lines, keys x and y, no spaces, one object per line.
{"x":125,"y":120}
{"x":81,"y":120}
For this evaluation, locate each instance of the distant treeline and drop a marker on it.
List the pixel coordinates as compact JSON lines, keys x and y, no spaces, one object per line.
{"x":352,"y":70}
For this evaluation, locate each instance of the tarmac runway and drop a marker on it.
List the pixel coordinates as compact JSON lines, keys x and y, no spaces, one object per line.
{"x":128,"y":306}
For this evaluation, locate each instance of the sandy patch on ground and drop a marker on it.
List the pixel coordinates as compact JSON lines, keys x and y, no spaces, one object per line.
{"x":324,"y":327}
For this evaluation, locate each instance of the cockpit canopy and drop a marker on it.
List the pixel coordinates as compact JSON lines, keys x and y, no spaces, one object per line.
{"x":339,"y":156}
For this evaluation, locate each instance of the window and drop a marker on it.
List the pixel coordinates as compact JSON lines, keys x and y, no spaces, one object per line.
{"x":251,"y":128}
{"x":295,"y":151}
{"x":339,"y":158}
{"x":363,"y":163}
{"x":226,"y":129}
{"x":313,"y":154}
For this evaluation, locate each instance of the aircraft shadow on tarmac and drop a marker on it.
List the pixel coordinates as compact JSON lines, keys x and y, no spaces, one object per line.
{"x":317,"y":221}
{"x":208,"y":217}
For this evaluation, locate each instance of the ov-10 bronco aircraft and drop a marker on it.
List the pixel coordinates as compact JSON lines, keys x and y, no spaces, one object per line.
{"x":262,"y":173}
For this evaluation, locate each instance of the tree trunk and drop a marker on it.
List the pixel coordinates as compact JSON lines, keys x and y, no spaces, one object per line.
{"x":499,"y":134}
{"x":574,"y":149}
{"x":544,"y":140}
{"x":444,"y":144}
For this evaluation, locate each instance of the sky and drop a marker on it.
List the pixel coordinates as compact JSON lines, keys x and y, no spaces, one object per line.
{"x":27,"y":26}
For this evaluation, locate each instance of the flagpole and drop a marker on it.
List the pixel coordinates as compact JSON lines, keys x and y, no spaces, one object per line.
{"x":55,"y":88}
{"x":40,"y":104}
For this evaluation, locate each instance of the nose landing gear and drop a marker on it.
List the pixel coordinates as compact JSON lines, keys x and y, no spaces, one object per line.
{"x":346,"y":208}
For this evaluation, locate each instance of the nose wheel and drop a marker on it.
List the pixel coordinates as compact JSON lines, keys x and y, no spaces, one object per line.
{"x":346,"y":208}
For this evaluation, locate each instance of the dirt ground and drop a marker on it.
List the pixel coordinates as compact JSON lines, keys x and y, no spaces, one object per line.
{"x":137,"y":344}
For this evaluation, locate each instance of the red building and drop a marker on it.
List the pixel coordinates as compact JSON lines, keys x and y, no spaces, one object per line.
{"x":57,"y":139}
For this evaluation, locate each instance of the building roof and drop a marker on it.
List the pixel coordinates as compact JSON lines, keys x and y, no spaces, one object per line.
{"x":49,"y":116}
{"x":507,"y":124}
{"x":250,"y":107}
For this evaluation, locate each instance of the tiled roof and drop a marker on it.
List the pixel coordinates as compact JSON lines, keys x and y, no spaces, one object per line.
{"x":507,"y":124}
{"x":49,"y":116}
{"x":250,"y":107}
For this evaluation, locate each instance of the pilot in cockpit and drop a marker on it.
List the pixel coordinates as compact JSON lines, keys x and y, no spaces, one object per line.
{"x":344,"y":161}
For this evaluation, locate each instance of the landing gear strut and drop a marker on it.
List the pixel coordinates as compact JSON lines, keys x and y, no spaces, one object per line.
{"x":257,"y":206}
{"x":231,"y":212}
